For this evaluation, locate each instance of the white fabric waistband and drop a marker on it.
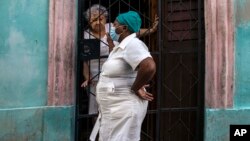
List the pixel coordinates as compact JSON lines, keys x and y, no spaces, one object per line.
{"x":114,"y":90}
{"x":118,"y":82}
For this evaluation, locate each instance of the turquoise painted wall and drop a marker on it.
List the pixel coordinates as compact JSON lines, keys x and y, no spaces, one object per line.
{"x":37,"y":124}
{"x":24,"y":114}
{"x":242,"y":55}
{"x":218,"y":120}
{"x":23,"y":53}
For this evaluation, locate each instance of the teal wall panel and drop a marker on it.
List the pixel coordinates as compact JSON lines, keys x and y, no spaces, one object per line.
{"x":21,"y":124}
{"x":24,"y":114}
{"x":23,"y":53}
{"x":218,"y":122}
{"x":37,"y":124}
{"x":59,"y":124}
{"x":242,"y":54}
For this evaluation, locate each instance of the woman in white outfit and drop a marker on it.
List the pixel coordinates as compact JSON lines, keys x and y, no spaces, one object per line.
{"x":121,"y":95}
{"x":97,"y":16}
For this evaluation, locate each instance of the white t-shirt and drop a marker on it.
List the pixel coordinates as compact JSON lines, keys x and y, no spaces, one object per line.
{"x":122,"y":62}
{"x":95,"y":66}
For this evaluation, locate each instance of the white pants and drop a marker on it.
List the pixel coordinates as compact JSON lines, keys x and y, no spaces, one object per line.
{"x":121,"y":114}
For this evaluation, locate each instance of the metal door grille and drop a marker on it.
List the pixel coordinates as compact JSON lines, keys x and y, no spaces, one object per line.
{"x":176,"y":114}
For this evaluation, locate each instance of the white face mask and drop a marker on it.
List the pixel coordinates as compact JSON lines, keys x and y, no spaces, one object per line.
{"x":114,"y":36}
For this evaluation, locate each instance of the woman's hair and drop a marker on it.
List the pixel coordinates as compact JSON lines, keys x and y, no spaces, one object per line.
{"x":95,"y":9}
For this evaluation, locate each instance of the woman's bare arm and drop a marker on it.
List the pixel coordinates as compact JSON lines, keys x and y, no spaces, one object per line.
{"x":146,"y":31}
{"x":146,"y":71}
{"x":86,"y":74}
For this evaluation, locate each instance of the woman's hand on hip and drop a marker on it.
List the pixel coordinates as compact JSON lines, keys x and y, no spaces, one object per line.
{"x":143,"y":94}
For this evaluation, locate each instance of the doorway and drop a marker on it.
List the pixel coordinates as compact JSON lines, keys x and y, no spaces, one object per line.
{"x":177,"y":113}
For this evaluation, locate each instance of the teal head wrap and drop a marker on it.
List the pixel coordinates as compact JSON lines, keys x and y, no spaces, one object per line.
{"x":130,"y":19}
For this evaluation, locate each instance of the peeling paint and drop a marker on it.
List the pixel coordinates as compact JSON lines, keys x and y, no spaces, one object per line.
{"x":219,"y":53}
{"x":62,"y":29}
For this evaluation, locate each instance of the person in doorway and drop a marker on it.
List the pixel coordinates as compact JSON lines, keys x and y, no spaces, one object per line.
{"x":97,"y":16}
{"x":121,"y":92}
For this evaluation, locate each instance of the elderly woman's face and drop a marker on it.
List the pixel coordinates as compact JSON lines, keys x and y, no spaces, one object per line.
{"x":97,"y":22}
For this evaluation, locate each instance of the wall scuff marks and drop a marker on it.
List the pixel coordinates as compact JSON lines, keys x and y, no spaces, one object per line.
{"x":219,"y":70}
{"x":61,"y":71}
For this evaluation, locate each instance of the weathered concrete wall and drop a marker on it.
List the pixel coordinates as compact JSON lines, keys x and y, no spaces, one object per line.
{"x":62,"y":50}
{"x":24,"y":114}
{"x":219,"y":64}
{"x":37,"y":124}
{"x":23,"y":53}
{"x":242,"y":36}
{"x":218,"y":120}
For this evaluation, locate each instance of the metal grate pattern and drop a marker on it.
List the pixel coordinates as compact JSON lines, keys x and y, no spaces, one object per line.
{"x":182,"y":86}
